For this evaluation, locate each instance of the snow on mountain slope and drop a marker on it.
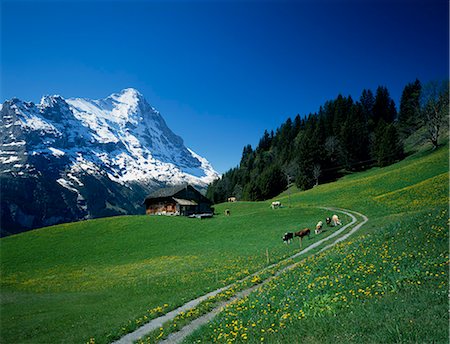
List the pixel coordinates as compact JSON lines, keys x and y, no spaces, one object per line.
{"x":122,"y":134}
{"x":120,"y":141}
{"x":147,"y":148}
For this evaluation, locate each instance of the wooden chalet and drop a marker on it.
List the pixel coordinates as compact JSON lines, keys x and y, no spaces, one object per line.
{"x":182,"y":200}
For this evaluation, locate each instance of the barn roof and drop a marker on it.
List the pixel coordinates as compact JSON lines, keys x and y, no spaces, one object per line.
{"x":167,"y":192}
{"x":185,"y":195}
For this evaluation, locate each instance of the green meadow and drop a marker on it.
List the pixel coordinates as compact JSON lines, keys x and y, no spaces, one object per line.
{"x":93,"y":279}
{"x":388,"y":284}
{"x":384,"y":287}
{"x":101,"y":278}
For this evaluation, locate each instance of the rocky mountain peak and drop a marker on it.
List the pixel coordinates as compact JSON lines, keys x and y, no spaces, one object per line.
{"x":98,"y":157}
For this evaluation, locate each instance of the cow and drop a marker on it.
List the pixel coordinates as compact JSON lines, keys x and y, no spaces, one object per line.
{"x":231,"y":199}
{"x":328,"y":221}
{"x":335,"y":220}
{"x":276,"y":204}
{"x":300,"y":234}
{"x":227,"y":212}
{"x":304,"y":232}
{"x":287,"y":237}
{"x":319,"y":227}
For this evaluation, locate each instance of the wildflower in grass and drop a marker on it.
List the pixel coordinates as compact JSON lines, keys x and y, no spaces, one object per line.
{"x":369,"y":267}
{"x":256,"y":279}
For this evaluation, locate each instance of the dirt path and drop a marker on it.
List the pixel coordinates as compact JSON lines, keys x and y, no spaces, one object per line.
{"x":178,"y":336}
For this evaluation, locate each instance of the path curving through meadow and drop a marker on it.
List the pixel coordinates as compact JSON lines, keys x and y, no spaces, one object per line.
{"x":179,"y":336}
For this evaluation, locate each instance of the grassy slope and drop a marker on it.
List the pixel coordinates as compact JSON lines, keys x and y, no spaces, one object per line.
{"x":80,"y":280}
{"x":388,"y":285}
{"x":70,"y":282}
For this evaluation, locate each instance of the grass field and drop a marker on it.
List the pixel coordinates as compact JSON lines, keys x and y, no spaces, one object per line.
{"x":93,"y":279}
{"x":389,"y":285}
{"x":385,"y":287}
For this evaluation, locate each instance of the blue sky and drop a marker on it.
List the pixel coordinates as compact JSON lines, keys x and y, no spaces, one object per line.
{"x":220,"y":72}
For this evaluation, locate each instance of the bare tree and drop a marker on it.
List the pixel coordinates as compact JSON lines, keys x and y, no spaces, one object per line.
{"x":333,"y":147}
{"x":435,"y":109}
{"x":317,"y":171}
{"x":290,"y":171}
{"x":237,"y":192}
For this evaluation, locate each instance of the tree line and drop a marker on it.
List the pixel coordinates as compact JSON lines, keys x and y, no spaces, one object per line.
{"x":343,"y":136}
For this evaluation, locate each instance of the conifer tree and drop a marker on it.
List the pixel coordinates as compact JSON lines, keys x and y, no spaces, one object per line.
{"x":367,"y":101}
{"x":409,"y":114}
{"x":343,"y":134}
{"x":384,"y":106}
{"x":355,"y":138}
{"x":388,"y":147}
{"x":265,"y":142}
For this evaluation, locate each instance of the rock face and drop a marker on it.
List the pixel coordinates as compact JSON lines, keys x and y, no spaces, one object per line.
{"x":69,"y":159}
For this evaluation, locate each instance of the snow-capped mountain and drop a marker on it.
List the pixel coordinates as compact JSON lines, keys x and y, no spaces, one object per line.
{"x":67,"y":159}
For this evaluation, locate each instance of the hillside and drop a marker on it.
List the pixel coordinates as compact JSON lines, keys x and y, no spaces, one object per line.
{"x":343,"y":136}
{"x":388,"y":285}
{"x":91,"y":279}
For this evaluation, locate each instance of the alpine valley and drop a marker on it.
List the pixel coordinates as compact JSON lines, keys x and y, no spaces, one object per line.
{"x":69,"y":159}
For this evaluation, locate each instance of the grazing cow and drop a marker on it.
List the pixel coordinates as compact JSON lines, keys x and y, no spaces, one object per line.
{"x":303,"y":233}
{"x":319,"y":227}
{"x":276,"y":204}
{"x":287,"y":237}
{"x":328,"y":220}
{"x":335,"y":220}
{"x":227,"y":212}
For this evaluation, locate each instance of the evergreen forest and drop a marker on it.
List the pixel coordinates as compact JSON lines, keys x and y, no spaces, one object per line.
{"x":344,"y":136}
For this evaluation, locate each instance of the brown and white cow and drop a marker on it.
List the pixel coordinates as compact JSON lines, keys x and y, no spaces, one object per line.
{"x":319,"y":227}
{"x":335,"y":220}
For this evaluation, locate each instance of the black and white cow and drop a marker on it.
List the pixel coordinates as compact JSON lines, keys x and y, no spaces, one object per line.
{"x":287,"y":237}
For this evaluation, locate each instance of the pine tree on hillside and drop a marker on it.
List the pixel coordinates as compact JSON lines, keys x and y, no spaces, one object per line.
{"x":271,"y":182}
{"x":309,"y":151}
{"x":384,"y":106}
{"x":342,"y":106}
{"x":387,"y":147}
{"x":246,"y":165}
{"x":355,"y":139}
{"x":297,"y":126}
{"x":409,"y":115}
{"x":246,"y":155}
{"x":265,"y":142}
{"x":286,"y":135}
{"x":367,"y":101}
